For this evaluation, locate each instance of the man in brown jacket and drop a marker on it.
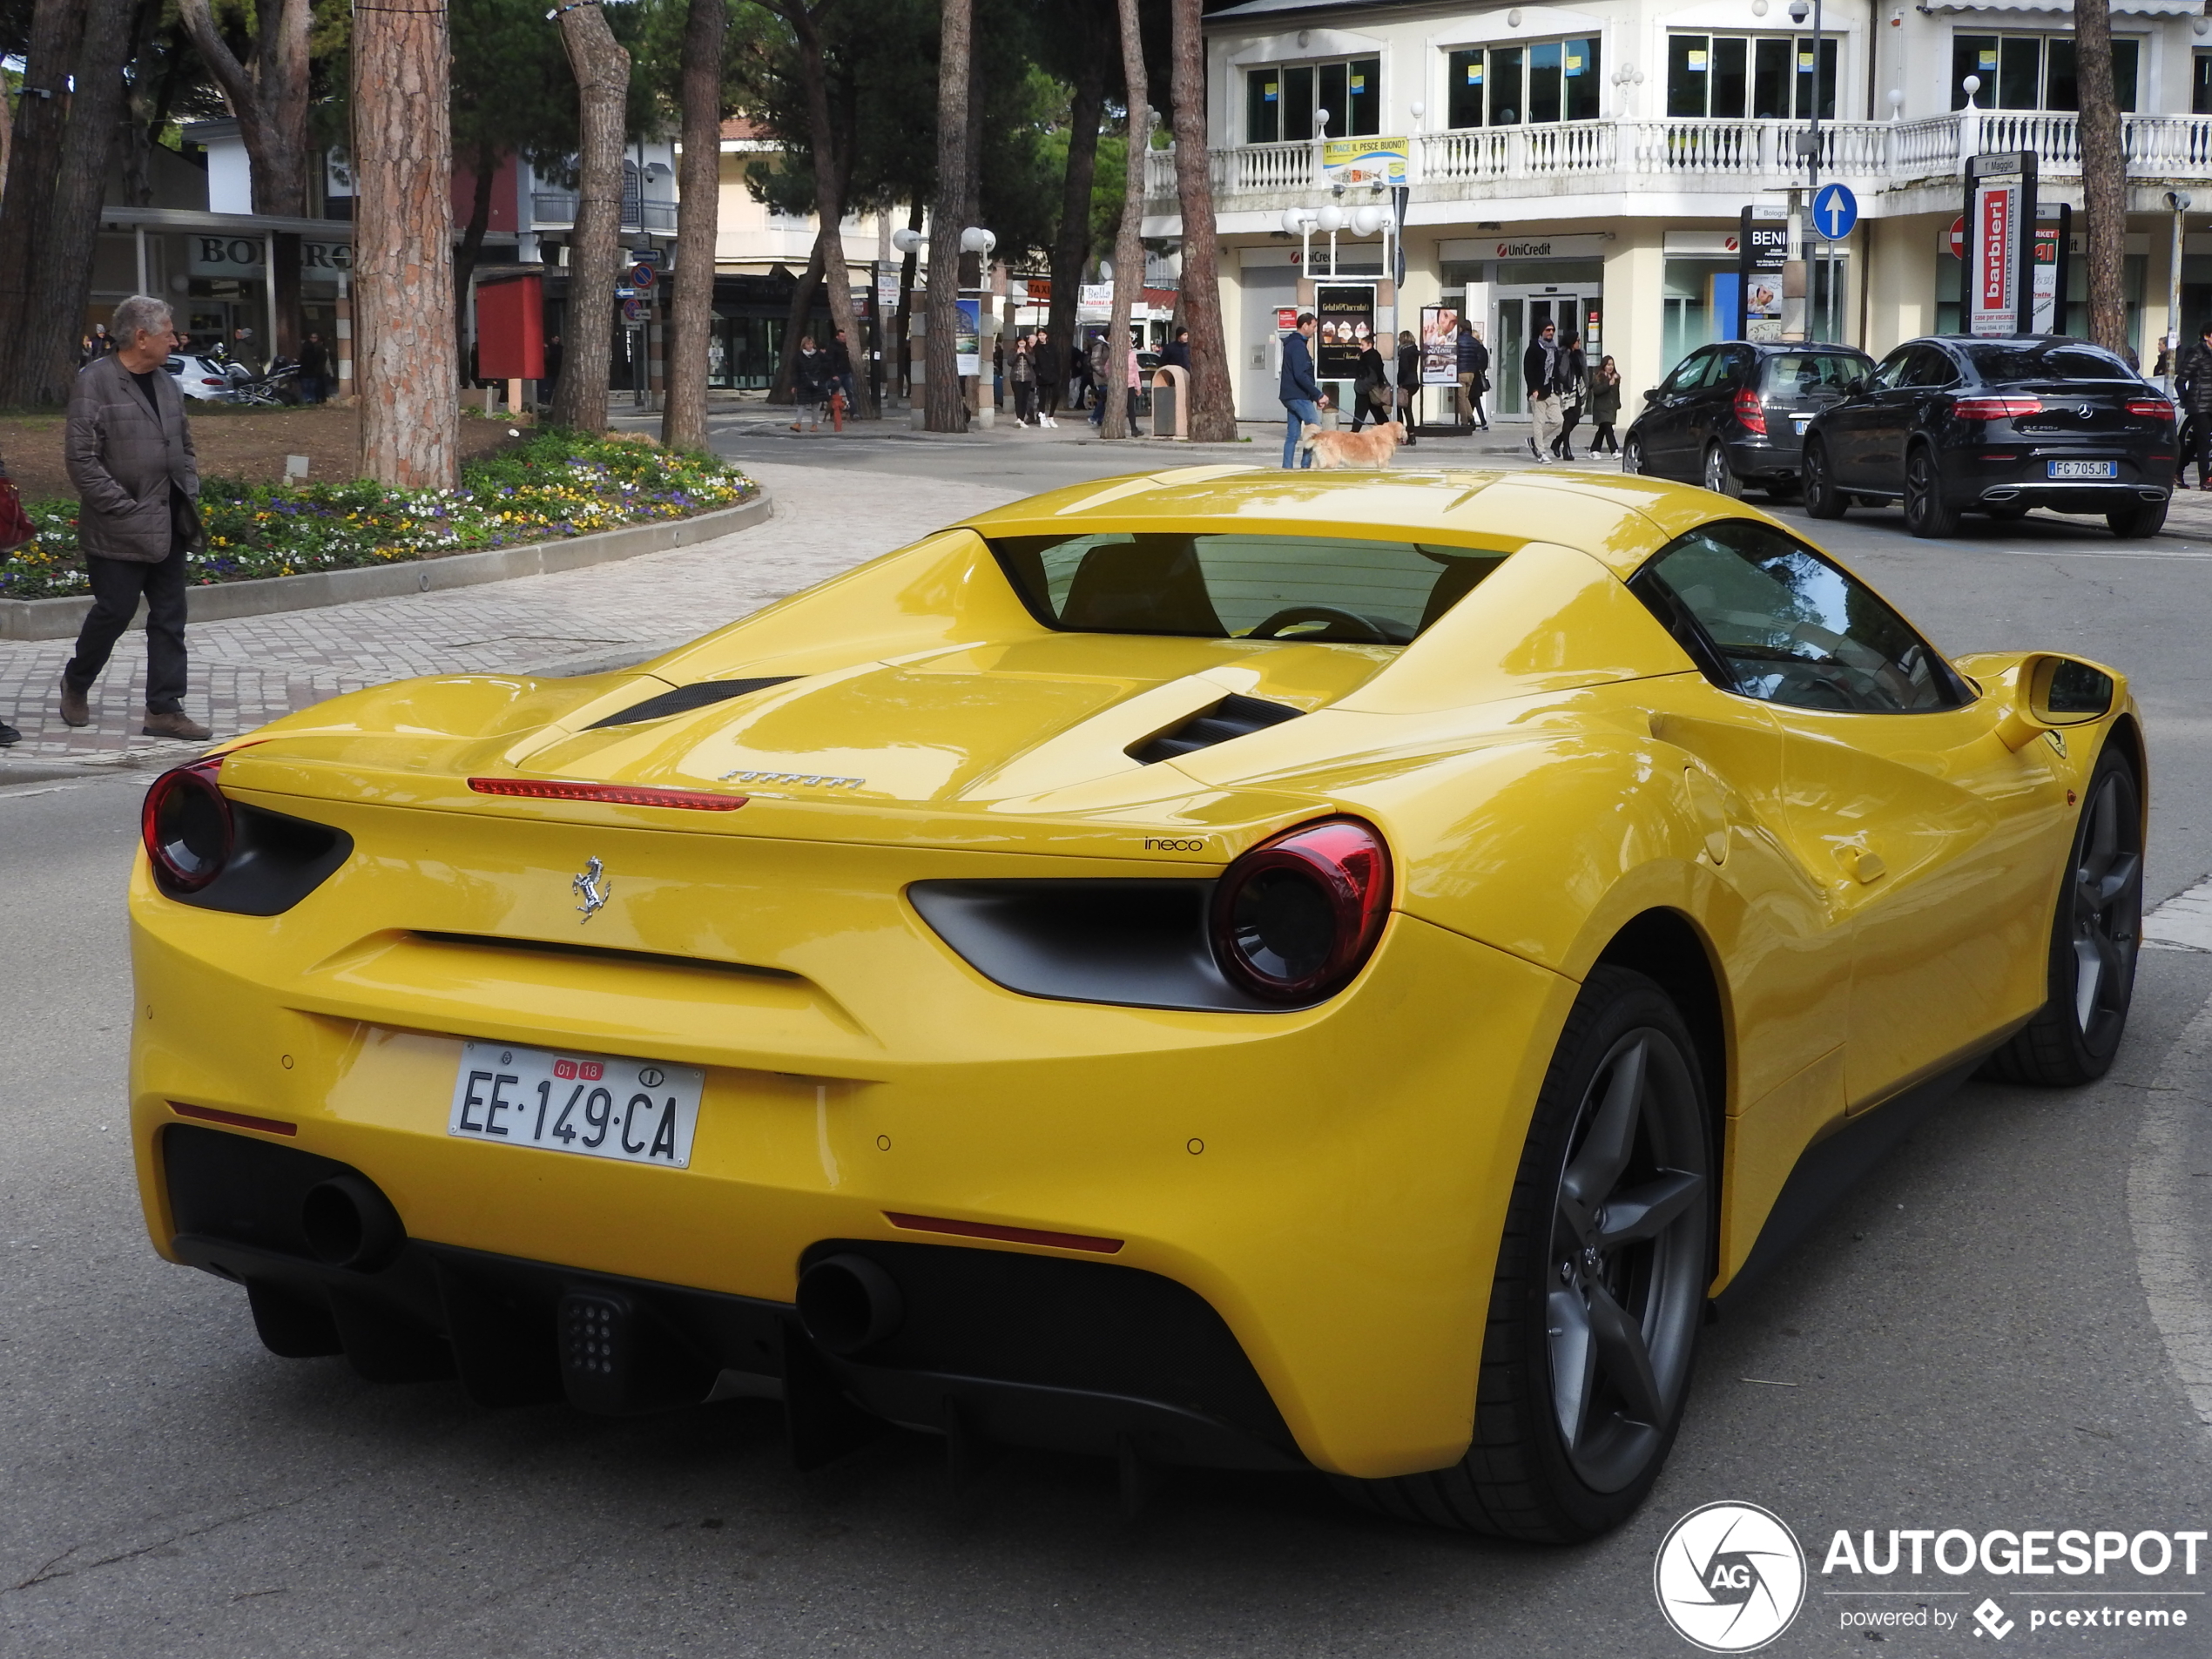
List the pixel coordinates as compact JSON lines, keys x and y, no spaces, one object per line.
{"x":130,"y":455}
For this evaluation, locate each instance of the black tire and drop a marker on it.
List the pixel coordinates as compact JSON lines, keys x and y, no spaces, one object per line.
{"x":2095,"y":934}
{"x":1717,"y":475}
{"x":2144,"y":518}
{"x":1823,"y":499}
{"x":1632,"y":458}
{"x":1927,"y":513}
{"x":1622,"y":1128}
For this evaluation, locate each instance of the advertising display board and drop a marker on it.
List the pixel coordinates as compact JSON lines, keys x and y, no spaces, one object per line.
{"x":2054,"y":247}
{"x":1440,"y":346}
{"x":967,"y":342}
{"x":1365,"y":161}
{"x":1344,"y":321}
{"x":1763,"y":246}
{"x":1999,"y":295}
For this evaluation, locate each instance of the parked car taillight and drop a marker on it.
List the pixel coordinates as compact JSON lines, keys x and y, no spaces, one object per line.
{"x":1297,"y":916}
{"x":2155,"y":409}
{"x":1749,"y":411}
{"x":213,"y":380}
{"x":1996,"y":408}
{"x":186,"y":824}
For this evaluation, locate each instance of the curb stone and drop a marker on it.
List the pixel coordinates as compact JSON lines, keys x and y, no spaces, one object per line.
{"x":267,"y":595}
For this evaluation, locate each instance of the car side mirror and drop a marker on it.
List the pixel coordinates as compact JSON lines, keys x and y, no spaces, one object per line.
{"x":1651,"y":394}
{"x":1856,"y":385}
{"x":2050,"y":692}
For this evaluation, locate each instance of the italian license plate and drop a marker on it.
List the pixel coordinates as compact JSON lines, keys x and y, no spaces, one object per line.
{"x":1801,"y":423}
{"x":2084,"y":469}
{"x":596,"y":1105}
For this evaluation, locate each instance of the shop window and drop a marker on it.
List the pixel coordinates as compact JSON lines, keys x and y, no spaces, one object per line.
{"x":2037,"y":72}
{"x":1763,"y":77}
{"x":1280,"y":101}
{"x":1505,"y":86}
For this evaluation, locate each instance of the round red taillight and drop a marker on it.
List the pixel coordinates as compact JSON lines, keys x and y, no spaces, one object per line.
{"x":1297,"y":916}
{"x":186,"y":824}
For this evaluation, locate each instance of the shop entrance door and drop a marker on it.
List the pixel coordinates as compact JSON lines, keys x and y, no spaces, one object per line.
{"x":1518,"y":316}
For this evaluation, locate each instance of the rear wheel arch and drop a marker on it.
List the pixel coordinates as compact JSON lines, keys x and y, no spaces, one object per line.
{"x":1666,"y":947}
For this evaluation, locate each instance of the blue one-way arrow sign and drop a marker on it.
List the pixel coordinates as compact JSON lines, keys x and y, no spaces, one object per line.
{"x":1835,"y":210}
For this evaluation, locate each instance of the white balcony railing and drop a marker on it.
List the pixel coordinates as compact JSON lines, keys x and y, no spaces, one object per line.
{"x":1882,"y":154}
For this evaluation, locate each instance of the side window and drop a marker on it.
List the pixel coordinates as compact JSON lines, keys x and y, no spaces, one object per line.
{"x":1765,"y":616}
{"x":1691,"y":373}
{"x":1891,"y":374}
{"x":1738,"y":365}
{"x":1930,"y":366}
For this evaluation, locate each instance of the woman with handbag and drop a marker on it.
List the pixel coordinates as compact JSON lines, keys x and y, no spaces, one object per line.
{"x":1571,"y":386}
{"x":1605,"y":408}
{"x":1409,"y":381}
{"x":1370,"y":388}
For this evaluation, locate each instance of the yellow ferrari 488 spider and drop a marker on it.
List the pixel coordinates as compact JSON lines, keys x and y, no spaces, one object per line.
{"x":1228,"y":968}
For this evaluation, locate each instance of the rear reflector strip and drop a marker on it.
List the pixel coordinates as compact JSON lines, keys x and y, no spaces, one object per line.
{"x":694,"y":801}
{"x":233,"y":1120}
{"x":1011,"y":1235}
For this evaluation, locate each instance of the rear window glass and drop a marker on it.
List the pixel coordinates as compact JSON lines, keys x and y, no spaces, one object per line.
{"x":1815,"y":371}
{"x":2039,"y":361}
{"x":1236,"y":586}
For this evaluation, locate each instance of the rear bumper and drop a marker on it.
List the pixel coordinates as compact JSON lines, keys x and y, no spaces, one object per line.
{"x":1332,"y":1195}
{"x":1077,"y":1356}
{"x":2025,"y":479}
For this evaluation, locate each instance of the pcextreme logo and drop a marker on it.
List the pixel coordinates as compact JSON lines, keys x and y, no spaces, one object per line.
{"x":1729,"y":1577}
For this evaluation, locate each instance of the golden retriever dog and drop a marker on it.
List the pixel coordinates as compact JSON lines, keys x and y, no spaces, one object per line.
{"x":1373,"y":448}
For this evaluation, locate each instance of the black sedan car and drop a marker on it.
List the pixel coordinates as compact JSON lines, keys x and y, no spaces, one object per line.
{"x":1955,"y":425}
{"x":1732,"y":413}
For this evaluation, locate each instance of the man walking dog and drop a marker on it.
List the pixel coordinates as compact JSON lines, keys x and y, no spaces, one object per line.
{"x":129,"y":453}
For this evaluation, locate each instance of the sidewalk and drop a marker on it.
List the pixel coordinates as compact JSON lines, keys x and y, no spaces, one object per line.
{"x":249,"y":671}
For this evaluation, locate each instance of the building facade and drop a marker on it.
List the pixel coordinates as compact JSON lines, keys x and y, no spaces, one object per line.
{"x":1589,"y":164}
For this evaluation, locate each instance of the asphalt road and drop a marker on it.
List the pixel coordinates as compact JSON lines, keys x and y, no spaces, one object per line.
{"x":1993,"y":1330}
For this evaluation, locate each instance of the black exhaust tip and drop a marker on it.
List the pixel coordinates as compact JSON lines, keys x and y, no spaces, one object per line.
{"x":848,"y":1305}
{"x":349,"y":1223}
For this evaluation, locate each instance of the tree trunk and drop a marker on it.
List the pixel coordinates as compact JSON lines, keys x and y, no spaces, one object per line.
{"x":402,"y":157}
{"x":485,"y":165}
{"x":1213,"y":405}
{"x":1129,"y":245}
{"x":602,"y":69}
{"x":1071,"y":248}
{"x":269,"y":97}
{"x":34,"y":169}
{"x":945,"y":409}
{"x":50,"y":329}
{"x":2104,"y":175}
{"x":833,"y":149}
{"x":683,"y":419}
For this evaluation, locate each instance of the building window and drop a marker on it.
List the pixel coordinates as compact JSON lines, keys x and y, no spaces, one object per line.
{"x":1505,"y":86}
{"x":1280,"y":101}
{"x":2036,"y":71}
{"x":1765,"y":77}
{"x":2201,"y":88}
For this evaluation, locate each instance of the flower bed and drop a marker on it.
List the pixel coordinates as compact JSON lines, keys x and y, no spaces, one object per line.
{"x":556,"y":484}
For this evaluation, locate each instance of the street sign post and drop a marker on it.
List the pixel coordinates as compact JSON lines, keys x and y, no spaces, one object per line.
{"x":1999,"y":289}
{"x":1835,"y":212}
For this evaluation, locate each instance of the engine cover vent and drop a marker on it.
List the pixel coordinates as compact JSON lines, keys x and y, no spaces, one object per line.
{"x":1233,"y":717}
{"x":683,"y":699}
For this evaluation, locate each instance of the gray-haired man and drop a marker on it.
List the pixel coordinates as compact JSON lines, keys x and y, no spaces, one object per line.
{"x":129,"y":453}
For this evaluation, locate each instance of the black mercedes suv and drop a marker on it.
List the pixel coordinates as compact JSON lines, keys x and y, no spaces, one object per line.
{"x":1951,"y":425}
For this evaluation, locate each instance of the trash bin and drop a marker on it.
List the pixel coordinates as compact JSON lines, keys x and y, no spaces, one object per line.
{"x":1164,"y":421}
{"x":1170,"y":392}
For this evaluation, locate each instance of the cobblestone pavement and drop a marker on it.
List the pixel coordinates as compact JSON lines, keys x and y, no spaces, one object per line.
{"x":248,"y":671}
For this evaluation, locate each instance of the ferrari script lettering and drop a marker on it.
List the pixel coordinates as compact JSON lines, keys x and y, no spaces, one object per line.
{"x":822,"y":778}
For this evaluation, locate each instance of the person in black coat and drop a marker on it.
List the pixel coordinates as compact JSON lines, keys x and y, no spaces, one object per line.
{"x":1177,"y":353}
{"x":1370,"y":388}
{"x":1052,"y":379}
{"x":2194,"y":386}
{"x":1472,"y":360}
{"x":1409,"y":380}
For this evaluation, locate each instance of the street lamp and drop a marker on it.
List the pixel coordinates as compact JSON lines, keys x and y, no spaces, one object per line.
{"x":1809,"y":148}
{"x":2179,"y":201}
